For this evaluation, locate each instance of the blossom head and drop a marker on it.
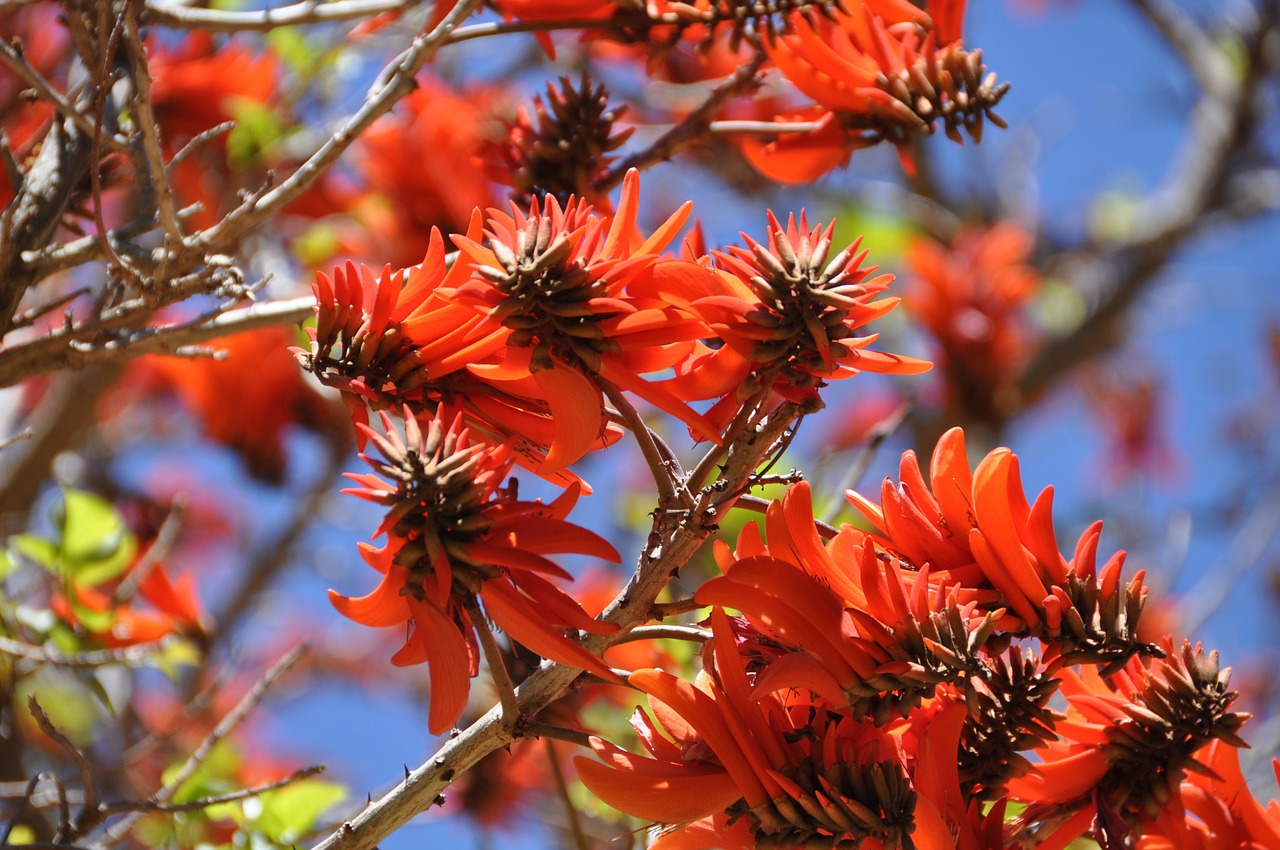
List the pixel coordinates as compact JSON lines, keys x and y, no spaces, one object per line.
{"x":457,"y":538}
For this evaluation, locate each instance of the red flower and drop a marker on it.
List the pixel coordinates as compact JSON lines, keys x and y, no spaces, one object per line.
{"x":559,"y":280}
{"x":745,"y":767}
{"x":976,"y":530}
{"x":885,"y":71}
{"x":787,"y":313}
{"x":455,"y":535}
{"x":971,"y":298}
{"x":399,"y":340}
{"x":1220,"y":811}
{"x":1129,"y":739}
{"x":420,"y":165}
{"x":200,"y":84}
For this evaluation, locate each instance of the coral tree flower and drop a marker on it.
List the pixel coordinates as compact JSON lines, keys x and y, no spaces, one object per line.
{"x":396,"y":340}
{"x":787,"y":313}
{"x":974,"y":529}
{"x":456,"y":534}
{"x":971,"y":297}
{"x":883,"y":70}
{"x":1128,"y":740}
{"x":414,"y":192}
{"x":736,"y":767}
{"x":557,"y":278}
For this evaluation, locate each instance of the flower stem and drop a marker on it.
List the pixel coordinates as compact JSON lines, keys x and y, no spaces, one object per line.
{"x":497,"y":667}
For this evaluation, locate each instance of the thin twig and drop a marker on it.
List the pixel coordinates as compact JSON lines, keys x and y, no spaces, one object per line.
{"x":262,"y":20}
{"x":562,"y":791}
{"x":667,"y":610}
{"x":392,"y":85}
{"x":89,"y":816}
{"x":129,"y":656}
{"x":691,"y":129}
{"x":58,"y":350}
{"x":665,"y":475}
{"x":22,"y":806}
{"x":538,"y":729}
{"x":15,"y":62}
{"x":768,"y":128}
{"x":159,"y":549}
{"x":760,"y":506}
{"x":24,"y":434}
{"x":147,"y":127}
{"x":206,"y":802}
{"x":666,"y":632}
{"x":225,"y":726}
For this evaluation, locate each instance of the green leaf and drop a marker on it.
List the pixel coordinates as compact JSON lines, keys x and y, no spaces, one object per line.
{"x":258,"y":127}
{"x":291,"y":812}
{"x":174,"y":654}
{"x":22,"y":834}
{"x":1058,"y":307}
{"x":96,"y":544}
{"x":41,"y":551}
{"x":884,"y":234}
{"x":212,"y":777}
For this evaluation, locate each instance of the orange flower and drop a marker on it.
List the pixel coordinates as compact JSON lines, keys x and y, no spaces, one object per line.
{"x":252,"y":416}
{"x":414,"y":191}
{"x":455,"y":534}
{"x":748,"y":767}
{"x":1221,"y":812}
{"x":869,"y":636}
{"x":155,"y":607}
{"x":975,"y":529}
{"x":1128,"y":740}
{"x":558,"y":279}
{"x":787,"y":313}
{"x":200,"y":84}
{"x":971,"y":298}
{"x":886,"y":71}
{"x":396,"y":340}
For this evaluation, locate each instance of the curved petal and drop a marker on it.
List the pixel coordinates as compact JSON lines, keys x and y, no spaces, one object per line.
{"x":383,"y":606}
{"x":685,"y":794}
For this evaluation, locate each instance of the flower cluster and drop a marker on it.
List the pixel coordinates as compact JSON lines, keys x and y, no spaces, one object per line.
{"x":506,"y":353}
{"x":456,"y":533}
{"x":883,"y":685}
{"x":878,"y":71}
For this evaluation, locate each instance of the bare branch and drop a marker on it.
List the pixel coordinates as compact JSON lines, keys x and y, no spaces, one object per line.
{"x":691,"y":129}
{"x":15,"y":62}
{"x":148,"y":129}
{"x":206,"y":802}
{"x":393,"y":84}
{"x":664,"y":468}
{"x":1111,"y":275}
{"x":261,"y":20}
{"x":89,"y":816}
{"x":667,"y":632}
{"x":129,"y":656}
{"x":79,"y":346}
{"x":562,"y":791}
{"x":1203,"y":58}
{"x":497,"y":667}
